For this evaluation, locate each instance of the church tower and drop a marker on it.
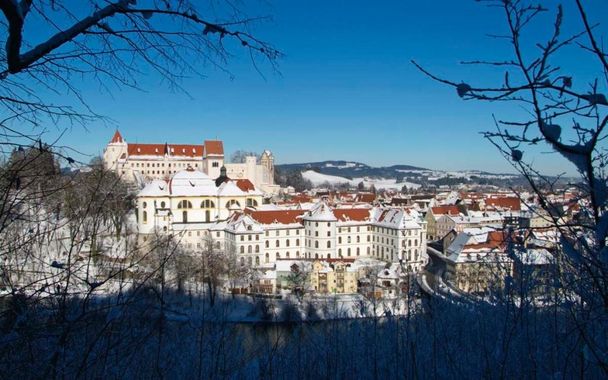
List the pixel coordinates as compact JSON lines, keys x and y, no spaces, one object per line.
{"x":267,"y":162}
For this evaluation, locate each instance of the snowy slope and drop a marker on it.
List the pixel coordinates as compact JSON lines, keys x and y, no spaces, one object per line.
{"x":318,"y":179}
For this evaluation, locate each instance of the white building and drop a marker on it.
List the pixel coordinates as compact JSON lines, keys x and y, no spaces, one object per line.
{"x":260,"y":238}
{"x":192,"y":201}
{"x":143,"y":163}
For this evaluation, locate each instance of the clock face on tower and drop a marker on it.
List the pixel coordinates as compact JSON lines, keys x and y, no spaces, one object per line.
{"x":240,"y":175}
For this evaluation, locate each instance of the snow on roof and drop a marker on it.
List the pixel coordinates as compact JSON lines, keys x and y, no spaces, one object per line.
{"x":192,"y":183}
{"x":229,"y":188}
{"x":285,"y":265}
{"x":321,"y":212}
{"x":536,"y":256}
{"x":243,"y":223}
{"x":156,"y":188}
{"x":397,"y":218}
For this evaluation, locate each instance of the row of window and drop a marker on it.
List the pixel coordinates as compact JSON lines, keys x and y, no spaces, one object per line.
{"x":162,"y":165}
{"x":278,"y":232}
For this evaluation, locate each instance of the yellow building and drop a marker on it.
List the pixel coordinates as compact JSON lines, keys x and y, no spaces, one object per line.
{"x":333,"y":277}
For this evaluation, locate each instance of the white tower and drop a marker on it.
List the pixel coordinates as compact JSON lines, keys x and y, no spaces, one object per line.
{"x":117,"y":147}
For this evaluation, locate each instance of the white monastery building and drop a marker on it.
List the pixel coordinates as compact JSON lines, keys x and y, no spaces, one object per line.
{"x":194,"y":207}
{"x":142,"y":163}
{"x":260,"y":238}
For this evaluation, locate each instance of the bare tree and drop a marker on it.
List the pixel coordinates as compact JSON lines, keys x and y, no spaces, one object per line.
{"x":112,"y":43}
{"x":569,"y":116}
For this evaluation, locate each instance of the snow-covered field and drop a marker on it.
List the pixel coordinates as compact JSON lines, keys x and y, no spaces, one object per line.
{"x":318,"y":179}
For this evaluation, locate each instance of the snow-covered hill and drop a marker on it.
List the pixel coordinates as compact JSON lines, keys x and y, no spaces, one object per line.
{"x":318,"y":179}
{"x":395,"y":176}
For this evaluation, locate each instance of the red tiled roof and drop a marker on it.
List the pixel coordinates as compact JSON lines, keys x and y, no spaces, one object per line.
{"x":245,"y":185}
{"x":443,"y":210}
{"x":276,"y":216}
{"x":365,"y":197}
{"x":214,"y":147}
{"x":495,"y":239}
{"x":511,"y":203}
{"x":301,"y":198}
{"x":181,"y":150}
{"x":355,"y":214}
{"x":117,"y":138}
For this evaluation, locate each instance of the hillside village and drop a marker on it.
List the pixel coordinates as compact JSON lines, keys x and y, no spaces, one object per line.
{"x":334,"y":241}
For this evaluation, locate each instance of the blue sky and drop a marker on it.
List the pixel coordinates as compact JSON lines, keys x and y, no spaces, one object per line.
{"x":346,"y":89}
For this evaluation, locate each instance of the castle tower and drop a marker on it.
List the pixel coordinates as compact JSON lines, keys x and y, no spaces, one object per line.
{"x":267,"y":162}
{"x":114,"y":151}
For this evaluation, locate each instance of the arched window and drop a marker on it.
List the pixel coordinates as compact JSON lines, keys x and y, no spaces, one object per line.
{"x":277,"y":255}
{"x":277,"y":244}
{"x":144,"y":205}
{"x":316,"y":244}
{"x":329,"y":244}
{"x":358,"y":239}
{"x":340,"y":252}
{"x":252,"y":202}
{"x":257,"y":260}
{"x":287,"y":243}
{"x":348,"y":252}
{"x":267,"y":244}
{"x":232,"y":202}
{"x":184,"y":204}
{"x":145,"y":217}
{"x":185,"y":216}
{"x":207,"y":216}
{"x":298,"y":254}
{"x":298,"y":242}
{"x":287,"y":254}
{"x":242,"y":249}
{"x":368,"y":250}
{"x":207,"y":204}
{"x":242,"y":261}
{"x":267,"y":258}
{"x":162,"y":204}
{"x":340,"y":240}
{"x":358,"y":251}
{"x":257,"y":249}
{"x":249,"y":249}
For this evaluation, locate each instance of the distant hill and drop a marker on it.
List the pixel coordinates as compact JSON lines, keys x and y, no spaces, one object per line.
{"x":352,"y":169}
{"x":395,"y":176}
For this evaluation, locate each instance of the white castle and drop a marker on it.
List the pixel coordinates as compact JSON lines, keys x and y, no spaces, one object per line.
{"x":143,"y":163}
